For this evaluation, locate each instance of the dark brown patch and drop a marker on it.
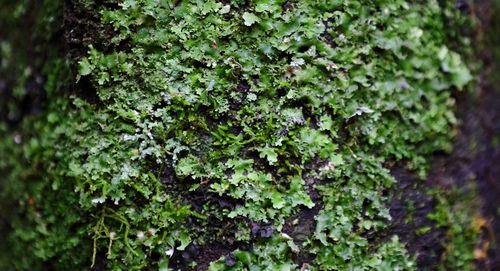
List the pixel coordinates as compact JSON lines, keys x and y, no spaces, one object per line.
{"x":410,"y":192}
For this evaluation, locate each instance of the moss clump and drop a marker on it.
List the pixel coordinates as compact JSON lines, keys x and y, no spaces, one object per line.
{"x":215,"y":117}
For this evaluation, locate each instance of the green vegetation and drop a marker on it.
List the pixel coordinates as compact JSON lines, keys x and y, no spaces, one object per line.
{"x":257,"y":106}
{"x":457,"y":211}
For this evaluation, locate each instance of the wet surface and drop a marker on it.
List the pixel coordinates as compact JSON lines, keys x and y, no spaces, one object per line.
{"x":476,"y":157}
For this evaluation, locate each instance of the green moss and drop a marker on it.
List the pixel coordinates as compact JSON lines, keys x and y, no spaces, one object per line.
{"x":457,"y":212}
{"x":246,"y":102}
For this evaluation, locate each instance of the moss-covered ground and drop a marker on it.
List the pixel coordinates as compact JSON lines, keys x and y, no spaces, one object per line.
{"x":227,"y":135}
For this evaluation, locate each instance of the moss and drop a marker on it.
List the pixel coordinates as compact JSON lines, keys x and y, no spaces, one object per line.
{"x":212,"y":118}
{"x":457,"y":212}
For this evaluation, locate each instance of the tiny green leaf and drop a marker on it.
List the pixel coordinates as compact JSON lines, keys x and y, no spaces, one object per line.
{"x":250,"y":18}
